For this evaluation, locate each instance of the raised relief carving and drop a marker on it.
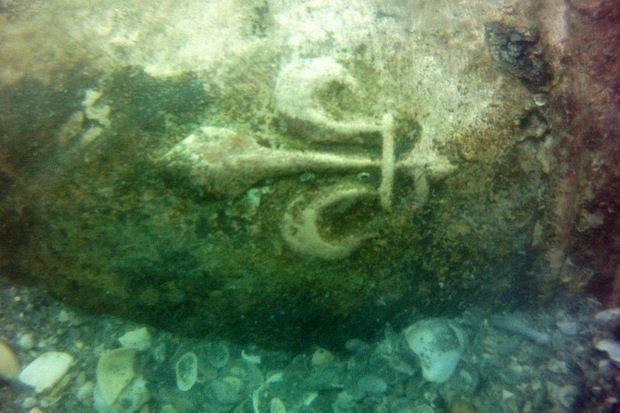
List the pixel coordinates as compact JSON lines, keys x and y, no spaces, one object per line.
{"x":222,"y":161}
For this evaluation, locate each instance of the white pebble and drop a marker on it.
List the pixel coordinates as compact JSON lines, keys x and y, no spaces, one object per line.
{"x":250,"y":358}
{"x":611,"y":314}
{"x":26,"y":341}
{"x":139,"y":339}
{"x":46,"y":370}
{"x":186,"y":370}
{"x":64,"y":316}
{"x":610,"y":347}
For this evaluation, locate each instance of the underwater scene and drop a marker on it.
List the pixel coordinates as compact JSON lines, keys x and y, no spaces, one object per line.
{"x":309,"y":206}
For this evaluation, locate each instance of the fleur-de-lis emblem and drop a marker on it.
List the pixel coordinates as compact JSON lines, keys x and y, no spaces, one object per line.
{"x":224,"y":162}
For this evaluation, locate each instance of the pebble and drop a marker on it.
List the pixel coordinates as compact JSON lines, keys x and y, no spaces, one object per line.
{"x":309,"y":398}
{"x":46,"y":370}
{"x":611,"y":314}
{"x":540,"y":99}
{"x":65,"y":316}
{"x":139,"y":339}
{"x":227,"y":390}
{"x":506,"y":394}
{"x":9,"y":366}
{"x":275,"y":376}
{"x":114,"y":372}
{"x":250,"y":358}
{"x":321,"y":356}
{"x":26,"y":341}
{"x":277,"y":406}
{"x":355,"y":345}
{"x":218,"y":354}
{"x":186,"y":370}
{"x":611,"y":347}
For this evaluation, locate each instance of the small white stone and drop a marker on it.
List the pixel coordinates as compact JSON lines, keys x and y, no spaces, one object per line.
{"x":250,"y":358}
{"x":611,"y":347}
{"x":26,"y":341}
{"x":611,"y":314}
{"x":321,"y":357}
{"x":46,"y":370}
{"x":309,"y":398}
{"x":63,"y":316}
{"x":139,"y":339}
{"x":277,"y":406}
{"x":540,"y":99}
{"x":438,"y":345}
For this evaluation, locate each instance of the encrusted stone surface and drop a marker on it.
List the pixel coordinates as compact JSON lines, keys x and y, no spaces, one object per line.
{"x":286,"y":176}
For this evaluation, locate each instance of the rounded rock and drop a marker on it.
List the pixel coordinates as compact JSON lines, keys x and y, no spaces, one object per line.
{"x":277,"y":406}
{"x":218,"y":354}
{"x":227,"y":390}
{"x":186,"y":369}
{"x":9,"y":366}
{"x":438,"y":345}
{"x":26,"y":341}
{"x":321,"y":357}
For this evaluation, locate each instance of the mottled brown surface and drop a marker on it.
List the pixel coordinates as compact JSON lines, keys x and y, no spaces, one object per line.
{"x":585,"y":211}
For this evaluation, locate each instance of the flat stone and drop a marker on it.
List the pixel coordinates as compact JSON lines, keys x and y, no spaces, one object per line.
{"x":138,"y":339}
{"x":46,"y":370}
